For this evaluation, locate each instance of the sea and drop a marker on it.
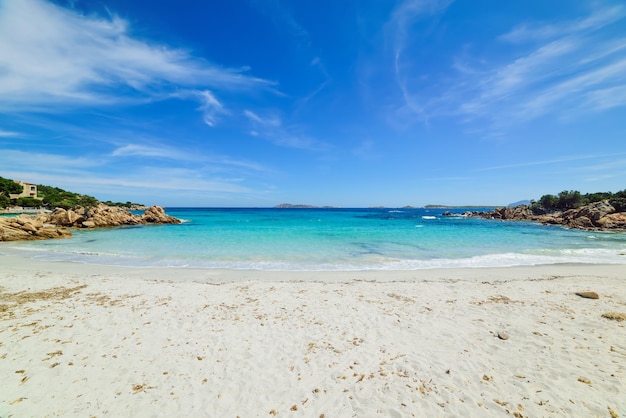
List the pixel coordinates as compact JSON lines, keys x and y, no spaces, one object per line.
{"x":275,"y":239}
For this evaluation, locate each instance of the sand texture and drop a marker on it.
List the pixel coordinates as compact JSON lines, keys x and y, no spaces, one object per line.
{"x":82,"y":341}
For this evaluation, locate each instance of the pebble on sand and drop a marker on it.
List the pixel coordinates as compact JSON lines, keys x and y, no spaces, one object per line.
{"x":588,"y":295}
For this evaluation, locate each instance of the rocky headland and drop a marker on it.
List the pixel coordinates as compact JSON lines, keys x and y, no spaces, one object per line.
{"x":597,"y":216}
{"x":56,"y":223}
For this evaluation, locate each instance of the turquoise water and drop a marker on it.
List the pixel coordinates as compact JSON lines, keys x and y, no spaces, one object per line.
{"x":329,"y":239}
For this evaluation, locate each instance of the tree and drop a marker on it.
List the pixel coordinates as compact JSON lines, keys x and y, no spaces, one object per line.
{"x":8,"y":187}
{"x":55,"y":197}
{"x":569,"y":200}
{"x":28,"y":202}
{"x":547,"y":202}
{"x":4,"y":201}
{"x":596,"y":197}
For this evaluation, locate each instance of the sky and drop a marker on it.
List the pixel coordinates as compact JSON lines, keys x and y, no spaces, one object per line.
{"x":349,"y":103}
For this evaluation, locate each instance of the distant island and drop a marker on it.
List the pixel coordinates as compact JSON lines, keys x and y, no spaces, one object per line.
{"x":299,"y":206}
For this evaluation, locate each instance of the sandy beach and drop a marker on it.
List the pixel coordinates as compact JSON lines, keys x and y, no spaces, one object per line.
{"x":83,"y":340}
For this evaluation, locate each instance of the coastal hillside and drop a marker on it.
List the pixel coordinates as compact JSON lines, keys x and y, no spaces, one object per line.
{"x":64,"y":210}
{"x":13,"y":193}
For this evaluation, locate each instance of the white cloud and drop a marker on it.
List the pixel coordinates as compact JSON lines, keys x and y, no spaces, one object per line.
{"x":270,"y":127}
{"x":268,"y":121}
{"x":529,"y":32}
{"x":52,"y":55}
{"x":564,"y":69}
{"x":135,"y":171}
{"x":586,"y":89}
{"x":204,"y":160}
{"x":211,"y":107}
{"x":559,"y":160}
{"x":134,"y":150}
{"x":8,"y":134}
{"x":38,"y":160}
{"x":399,"y":29}
{"x":574,"y":66}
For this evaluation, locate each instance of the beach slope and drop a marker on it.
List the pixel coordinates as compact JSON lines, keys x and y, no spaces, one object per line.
{"x":81,"y":340}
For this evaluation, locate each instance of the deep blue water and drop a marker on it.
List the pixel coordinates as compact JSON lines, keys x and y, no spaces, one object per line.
{"x":329,"y":239}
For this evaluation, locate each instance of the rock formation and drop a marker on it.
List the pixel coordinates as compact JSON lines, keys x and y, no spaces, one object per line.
{"x":599,"y":215}
{"x":156,"y":215}
{"x":52,"y":225}
{"x":105,"y":216}
{"x":25,"y":227}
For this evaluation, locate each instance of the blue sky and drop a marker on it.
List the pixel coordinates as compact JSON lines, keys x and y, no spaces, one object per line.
{"x":349,"y":103}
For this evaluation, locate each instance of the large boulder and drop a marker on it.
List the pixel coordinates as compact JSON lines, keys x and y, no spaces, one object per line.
{"x":581,"y":222}
{"x":103,"y":215}
{"x":613,"y":221}
{"x":156,"y":214}
{"x":26,"y":227}
{"x":594,"y":212}
{"x":518,"y":213}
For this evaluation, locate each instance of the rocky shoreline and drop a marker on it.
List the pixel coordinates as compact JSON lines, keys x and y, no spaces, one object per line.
{"x":597,"y":216}
{"x":56,"y":223}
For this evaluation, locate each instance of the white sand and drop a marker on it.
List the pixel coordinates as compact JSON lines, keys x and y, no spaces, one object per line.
{"x":193,"y":343}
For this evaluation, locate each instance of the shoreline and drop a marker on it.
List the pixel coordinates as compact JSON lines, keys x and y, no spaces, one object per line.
{"x":84,"y":340}
{"x":21,"y":263}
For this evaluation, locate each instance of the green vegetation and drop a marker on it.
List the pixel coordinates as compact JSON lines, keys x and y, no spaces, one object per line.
{"x":8,"y":187}
{"x":49,"y":197}
{"x":573,"y":199}
{"x":28,"y":202}
{"x":127,"y":205}
{"x":54,"y":197}
{"x":4,"y":201}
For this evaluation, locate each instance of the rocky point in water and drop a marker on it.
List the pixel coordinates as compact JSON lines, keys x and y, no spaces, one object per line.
{"x":599,"y":215}
{"x":55,"y":224}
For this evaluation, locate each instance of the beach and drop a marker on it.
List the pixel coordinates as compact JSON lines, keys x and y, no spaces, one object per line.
{"x":81,"y":340}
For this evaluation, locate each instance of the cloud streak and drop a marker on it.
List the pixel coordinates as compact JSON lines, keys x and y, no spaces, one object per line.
{"x":8,"y":134}
{"x":55,"y":56}
{"x":562,"y":69}
{"x":217,"y":176}
{"x":270,"y":127}
{"x":559,"y":160}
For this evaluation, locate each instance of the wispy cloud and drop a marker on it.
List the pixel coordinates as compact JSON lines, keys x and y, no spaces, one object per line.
{"x":562,"y":159}
{"x":55,"y":56}
{"x":8,"y":134}
{"x":528,"y":32}
{"x":282,"y":17}
{"x":211,"y":107}
{"x":561,"y":69}
{"x":203,"y":161}
{"x":119,"y":174}
{"x":270,"y":127}
{"x":399,"y":29}
{"x":40,"y":161}
{"x":134,"y":150}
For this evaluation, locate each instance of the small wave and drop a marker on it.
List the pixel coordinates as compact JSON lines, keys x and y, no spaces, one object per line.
{"x":429,"y":217}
